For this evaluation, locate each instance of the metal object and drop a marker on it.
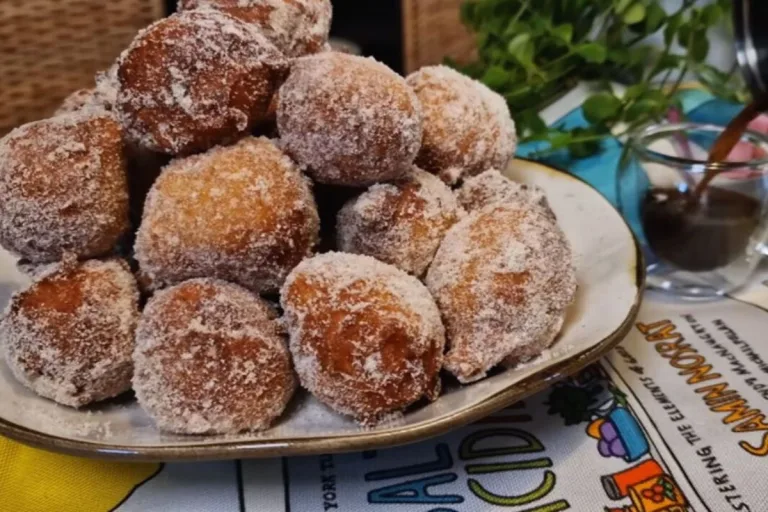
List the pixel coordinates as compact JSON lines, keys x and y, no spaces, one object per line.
{"x":749,"y":17}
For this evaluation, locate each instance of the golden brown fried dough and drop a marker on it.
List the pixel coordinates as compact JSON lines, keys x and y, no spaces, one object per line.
{"x":401,"y":223}
{"x":348,"y":120}
{"x":194,"y":80}
{"x":295,"y":27}
{"x":503,"y":279}
{"x":70,"y":335}
{"x":241,"y":213}
{"x":467,"y":127}
{"x":366,"y":338}
{"x":63,"y":187}
{"x":210,"y":359}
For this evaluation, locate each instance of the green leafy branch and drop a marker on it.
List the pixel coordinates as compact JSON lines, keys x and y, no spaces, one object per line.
{"x":533,"y":51}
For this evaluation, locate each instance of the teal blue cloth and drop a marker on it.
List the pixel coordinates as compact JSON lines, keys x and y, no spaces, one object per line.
{"x":601,"y":169}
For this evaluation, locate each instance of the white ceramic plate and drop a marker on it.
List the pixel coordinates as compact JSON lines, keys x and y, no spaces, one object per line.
{"x":610,"y":279}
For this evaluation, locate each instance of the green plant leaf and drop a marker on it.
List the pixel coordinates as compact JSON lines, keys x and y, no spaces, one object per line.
{"x":601,"y":107}
{"x":654,"y":18}
{"x":669,"y":61}
{"x":482,"y":39}
{"x":530,"y":124}
{"x":495,"y":77}
{"x":635,"y":13}
{"x":656,"y":95}
{"x":728,"y":86}
{"x":699,"y":47}
{"x":564,"y":32}
{"x":531,"y":51}
{"x":672,"y":28}
{"x":621,"y":6}
{"x":711,"y":14}
{"x":518,"y":43}
{"x":685,"y":34}
{"x":586,"y":141}
{"x":593,"y":52}
{"x":640,"y":110}
{"x":641,"y":55}
{"x":497,"y":56}
{"x":635,"y":91}
{"x":584,"y":149}
{"x":516,"y":27}
{"x":619,"y":54}
{"x":559,"y":140}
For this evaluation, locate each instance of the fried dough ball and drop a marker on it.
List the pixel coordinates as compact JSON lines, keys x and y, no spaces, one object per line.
{"x":401,"y":223}
{"x":366,"y":338}
{"x":241,"y":213}
{"x":349,"y":120}
{"x":295,"y":27}
{"x":63,"y":188}
{"x":194,"y":80}
{"x":467,"y":127}
{"x":503,"y":279}
{"x":210,"y":360}
{"x":491,"y":187}
{"x":69,"y":336}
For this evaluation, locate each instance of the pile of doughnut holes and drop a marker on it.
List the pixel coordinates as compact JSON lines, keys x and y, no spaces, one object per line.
{"x":235,"y":211}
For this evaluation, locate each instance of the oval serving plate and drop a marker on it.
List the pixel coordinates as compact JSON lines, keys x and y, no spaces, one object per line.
{"x":610,"y":275}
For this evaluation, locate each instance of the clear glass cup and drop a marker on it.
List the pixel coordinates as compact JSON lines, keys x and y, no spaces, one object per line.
{"x":703,"y":246}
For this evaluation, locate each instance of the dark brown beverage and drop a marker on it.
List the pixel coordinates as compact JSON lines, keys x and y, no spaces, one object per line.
{"x":708,"y":227}
{"x":703,"y":234}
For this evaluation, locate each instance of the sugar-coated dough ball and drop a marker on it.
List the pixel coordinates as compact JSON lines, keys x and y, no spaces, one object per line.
{"x":492,"y":187}
{"x":467,"y":127}
{"x":241,"y":213}
{"x":194,"y":80}
{"x":70,"y":335}
{"x":503,"y":279}
{"x":295,"y":27}
{"x":401,"y":223}
{"x":210,"y":360}
{"x":349,"y":120}
{"x":63,"y":188}
{"x":366,"y":338}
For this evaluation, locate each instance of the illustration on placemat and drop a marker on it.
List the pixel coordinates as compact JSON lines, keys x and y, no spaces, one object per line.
{"x":592,"y":398}
{"x":619,"y":435}
{"x":648,"y":487}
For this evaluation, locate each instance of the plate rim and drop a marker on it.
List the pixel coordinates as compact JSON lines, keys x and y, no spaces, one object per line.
{"x":228,"y":450}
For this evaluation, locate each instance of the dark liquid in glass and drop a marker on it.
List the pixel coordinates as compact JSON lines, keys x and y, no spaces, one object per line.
{"x":709,"y":227}
{"x":699,"y":236}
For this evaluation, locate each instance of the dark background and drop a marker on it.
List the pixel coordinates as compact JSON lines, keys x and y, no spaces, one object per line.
{"x":374,"y":25}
